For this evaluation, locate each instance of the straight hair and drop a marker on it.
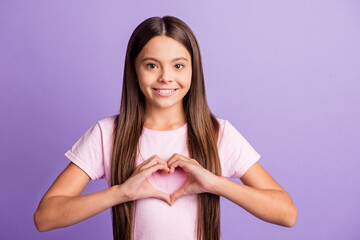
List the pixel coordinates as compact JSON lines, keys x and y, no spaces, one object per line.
{"x":202,"y":131}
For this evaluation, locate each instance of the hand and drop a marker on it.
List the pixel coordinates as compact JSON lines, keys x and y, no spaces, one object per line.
{"x":199,"y":179}
{"x":137,"y":185}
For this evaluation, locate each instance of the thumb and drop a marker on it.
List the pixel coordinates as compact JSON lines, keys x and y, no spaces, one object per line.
{"x":177,"y":194}
{"x":162,"y":196}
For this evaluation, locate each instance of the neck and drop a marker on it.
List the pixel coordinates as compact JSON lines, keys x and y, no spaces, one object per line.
{"x":164,"y":119}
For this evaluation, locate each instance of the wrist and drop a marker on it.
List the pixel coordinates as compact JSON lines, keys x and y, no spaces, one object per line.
{"x":217,"y":185}
{"x":120,"y":194}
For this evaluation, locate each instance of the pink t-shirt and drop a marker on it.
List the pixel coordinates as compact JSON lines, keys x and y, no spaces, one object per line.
{"x":154,"y":218}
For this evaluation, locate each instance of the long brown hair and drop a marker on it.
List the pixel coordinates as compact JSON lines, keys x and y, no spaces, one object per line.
{"x":202,"y":131}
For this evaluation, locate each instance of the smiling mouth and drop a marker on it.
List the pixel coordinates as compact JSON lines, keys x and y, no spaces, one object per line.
{"x":165,"y":92}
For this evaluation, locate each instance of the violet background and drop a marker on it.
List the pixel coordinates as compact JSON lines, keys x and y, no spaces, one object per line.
{"x":285,"y":73}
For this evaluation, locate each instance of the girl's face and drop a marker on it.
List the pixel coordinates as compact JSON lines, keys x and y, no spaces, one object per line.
{"x":164,"y":71}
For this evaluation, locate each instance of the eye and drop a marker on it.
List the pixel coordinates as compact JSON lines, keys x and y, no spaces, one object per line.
{"x":151,"y":65}
{"x":179,"y":66}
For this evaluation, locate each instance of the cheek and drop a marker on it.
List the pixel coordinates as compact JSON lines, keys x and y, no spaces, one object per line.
{"x":143,"y":82}
{"x":187,"y":79}
{"x":146,"y":78}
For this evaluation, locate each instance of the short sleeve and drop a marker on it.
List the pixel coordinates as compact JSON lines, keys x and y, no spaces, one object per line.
{"x":236,"y":153}
{"x":88,"y":154}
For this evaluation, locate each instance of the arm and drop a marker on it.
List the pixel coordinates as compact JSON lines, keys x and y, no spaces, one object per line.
{"x":260,"y":195}
{"x":63,"y":206}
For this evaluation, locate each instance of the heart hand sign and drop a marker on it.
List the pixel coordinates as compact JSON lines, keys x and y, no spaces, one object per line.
{"x":184,"y":175}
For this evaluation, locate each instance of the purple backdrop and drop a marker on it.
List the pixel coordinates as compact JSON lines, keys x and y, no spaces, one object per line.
{"x":285,"y":73}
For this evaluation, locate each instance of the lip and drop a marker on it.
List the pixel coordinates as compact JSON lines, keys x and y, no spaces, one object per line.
{"x":165,"y":94}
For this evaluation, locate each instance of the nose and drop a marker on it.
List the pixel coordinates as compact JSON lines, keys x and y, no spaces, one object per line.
{"x":165,"y":75}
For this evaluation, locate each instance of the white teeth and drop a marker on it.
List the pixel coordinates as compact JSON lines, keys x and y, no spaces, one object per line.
{"x":165,"y":91}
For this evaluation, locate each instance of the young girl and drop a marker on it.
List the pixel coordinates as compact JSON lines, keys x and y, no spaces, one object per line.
{"x":165,"y":156}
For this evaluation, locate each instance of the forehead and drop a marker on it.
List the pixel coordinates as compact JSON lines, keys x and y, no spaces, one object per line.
{"x":164,"y":47}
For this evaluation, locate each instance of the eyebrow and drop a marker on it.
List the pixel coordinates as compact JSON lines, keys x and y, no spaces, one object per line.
{"x":155,"y":60}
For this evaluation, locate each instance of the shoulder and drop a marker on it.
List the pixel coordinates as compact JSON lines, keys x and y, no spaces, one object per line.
{"x":104,"y":127}
{"x":224,"y":123}
{"x":226,"y":126}
{"x":228,"y":133}
{"x":220,"y":120}
{"x":223,"y":127}
{"x":107,"y":122}
{"x":222,"y":130}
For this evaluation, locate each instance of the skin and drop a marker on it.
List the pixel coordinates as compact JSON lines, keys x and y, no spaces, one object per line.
{"x":162,"y":63}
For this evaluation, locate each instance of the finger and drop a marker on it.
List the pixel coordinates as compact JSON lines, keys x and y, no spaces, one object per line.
{"x":140,"y":166}
{"x":175,"y":157}
{"x":177,"y":194}
{"x":163,"y":196}
{"x":185,"y":165}
{"x":148,"y":171}
{"x":151,"y":162}
{"x":156,"y":158}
